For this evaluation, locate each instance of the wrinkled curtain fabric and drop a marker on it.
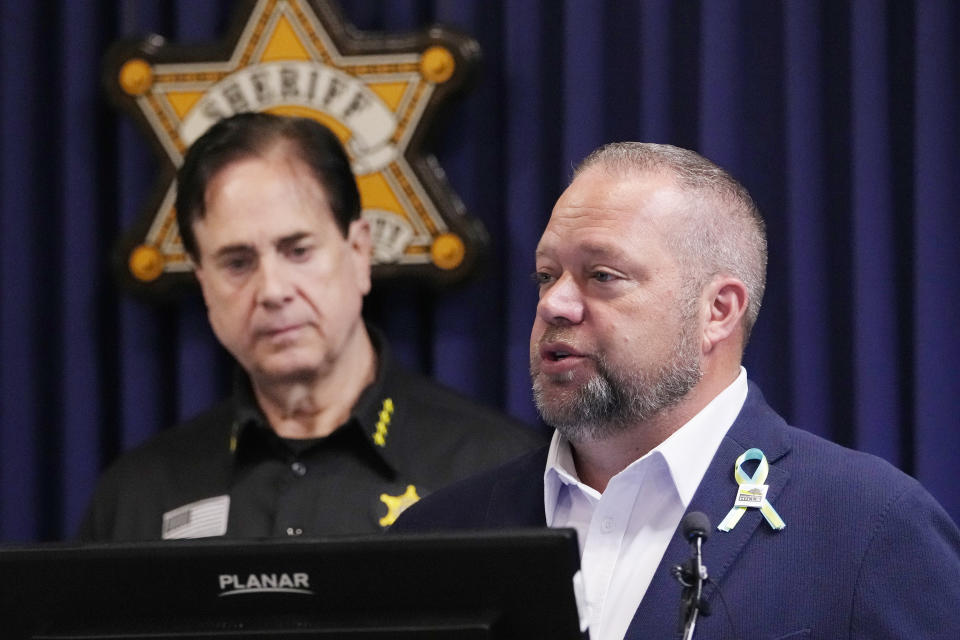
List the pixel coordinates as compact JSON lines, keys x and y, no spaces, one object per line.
{"x":841,"y":117}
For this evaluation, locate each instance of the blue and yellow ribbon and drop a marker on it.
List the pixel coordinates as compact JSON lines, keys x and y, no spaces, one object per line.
{"x":758,"y":478}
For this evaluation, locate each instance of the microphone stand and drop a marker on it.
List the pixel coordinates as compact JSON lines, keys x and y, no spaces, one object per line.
{"x":694,"y":601}
{"x":695,"y":527}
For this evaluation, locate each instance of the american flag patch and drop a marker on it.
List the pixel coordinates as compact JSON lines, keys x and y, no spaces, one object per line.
{"x":201,"y":519}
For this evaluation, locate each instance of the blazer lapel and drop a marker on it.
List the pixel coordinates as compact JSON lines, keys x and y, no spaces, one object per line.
{"x":516,"y":499}
{"x":756,"y":426}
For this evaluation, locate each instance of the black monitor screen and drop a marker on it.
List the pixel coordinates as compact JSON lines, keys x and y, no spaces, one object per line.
{"x":499,"y":585}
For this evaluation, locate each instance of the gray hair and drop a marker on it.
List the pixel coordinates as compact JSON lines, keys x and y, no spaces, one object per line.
{"x":725,"y":234}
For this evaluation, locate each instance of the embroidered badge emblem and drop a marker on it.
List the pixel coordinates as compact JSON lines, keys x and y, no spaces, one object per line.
{"x":397,"y":504}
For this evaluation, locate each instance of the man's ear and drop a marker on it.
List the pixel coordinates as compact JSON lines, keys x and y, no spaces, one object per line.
{"x":727,"y":300}
{"x":361,"y":250}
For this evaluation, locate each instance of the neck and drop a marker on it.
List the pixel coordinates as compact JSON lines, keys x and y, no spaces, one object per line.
{"x":597,"y":461}
{"x":316,"y":407}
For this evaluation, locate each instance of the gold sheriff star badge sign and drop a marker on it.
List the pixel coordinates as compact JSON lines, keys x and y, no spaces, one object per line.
{"x":377,"y":92}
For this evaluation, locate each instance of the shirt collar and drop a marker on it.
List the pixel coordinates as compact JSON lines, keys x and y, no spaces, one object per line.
{"x":372,"y":412}
{"x":377,"y":405}
{"x":687,"y":452}
{"x":560,"y":471}
{"x":247,"y":416}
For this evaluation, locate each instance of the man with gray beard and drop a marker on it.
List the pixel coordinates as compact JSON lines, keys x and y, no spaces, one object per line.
{"x":650,"y":273}
{"x":612,"y":400}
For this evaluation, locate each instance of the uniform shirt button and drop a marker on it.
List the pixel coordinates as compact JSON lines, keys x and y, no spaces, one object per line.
{"x":607,"y":524}
{"x":299,"y":469}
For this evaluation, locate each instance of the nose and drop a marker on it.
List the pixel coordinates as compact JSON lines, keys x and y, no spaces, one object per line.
{"x":274,"y":286}
{"x":562,"y":302}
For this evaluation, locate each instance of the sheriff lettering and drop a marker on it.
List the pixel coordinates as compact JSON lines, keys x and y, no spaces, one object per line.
{"x":304,"y":84}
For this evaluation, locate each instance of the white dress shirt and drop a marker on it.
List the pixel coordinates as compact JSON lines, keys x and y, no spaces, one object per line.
{"x":624,"y":531}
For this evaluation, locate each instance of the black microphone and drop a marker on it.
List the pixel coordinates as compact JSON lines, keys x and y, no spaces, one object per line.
{"x":695,"y":528}
{"x":695,"y":523}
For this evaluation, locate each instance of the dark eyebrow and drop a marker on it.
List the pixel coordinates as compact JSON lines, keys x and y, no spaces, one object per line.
{"x":286,"y":242}
{"x":232,"y":250}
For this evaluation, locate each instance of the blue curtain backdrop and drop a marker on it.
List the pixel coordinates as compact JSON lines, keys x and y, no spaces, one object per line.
{"x":840,"y":116}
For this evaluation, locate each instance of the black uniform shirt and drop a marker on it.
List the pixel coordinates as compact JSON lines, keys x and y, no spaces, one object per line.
{"x":226,"y":472}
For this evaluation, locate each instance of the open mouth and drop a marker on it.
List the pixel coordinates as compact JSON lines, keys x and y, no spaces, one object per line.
{"x":557,"y":352}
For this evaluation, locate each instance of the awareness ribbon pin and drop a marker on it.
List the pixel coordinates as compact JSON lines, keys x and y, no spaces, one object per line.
{"x":752,"y":490}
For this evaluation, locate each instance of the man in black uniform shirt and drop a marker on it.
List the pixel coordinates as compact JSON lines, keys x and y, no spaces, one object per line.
{"x":325,"y":433}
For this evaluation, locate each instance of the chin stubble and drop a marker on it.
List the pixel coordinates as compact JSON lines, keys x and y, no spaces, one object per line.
{"x":612,"y":401}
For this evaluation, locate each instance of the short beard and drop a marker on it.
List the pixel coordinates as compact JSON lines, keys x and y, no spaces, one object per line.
{"x":613,"y":401}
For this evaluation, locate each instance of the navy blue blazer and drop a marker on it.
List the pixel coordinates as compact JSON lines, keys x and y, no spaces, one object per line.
{"x":866,"y":553}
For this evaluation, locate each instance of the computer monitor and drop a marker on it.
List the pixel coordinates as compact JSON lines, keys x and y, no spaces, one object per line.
{"x":503,"y":585}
